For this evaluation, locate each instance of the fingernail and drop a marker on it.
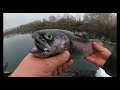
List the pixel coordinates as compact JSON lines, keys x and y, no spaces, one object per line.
{"x":66,"y":54}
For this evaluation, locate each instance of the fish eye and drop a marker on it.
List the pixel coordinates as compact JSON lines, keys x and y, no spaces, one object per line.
{"x":48,"y":37}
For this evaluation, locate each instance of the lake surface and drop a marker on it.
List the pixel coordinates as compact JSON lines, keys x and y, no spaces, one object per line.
{"x":16,"y":47}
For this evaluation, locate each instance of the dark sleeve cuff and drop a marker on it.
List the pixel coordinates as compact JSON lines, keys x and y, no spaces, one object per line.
{"x":110,"y":66}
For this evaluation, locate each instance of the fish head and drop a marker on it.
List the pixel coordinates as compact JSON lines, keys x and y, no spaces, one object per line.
{"x":49,"y":43}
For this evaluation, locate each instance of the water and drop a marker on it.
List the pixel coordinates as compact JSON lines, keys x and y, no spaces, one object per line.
{"x":17,"y":46}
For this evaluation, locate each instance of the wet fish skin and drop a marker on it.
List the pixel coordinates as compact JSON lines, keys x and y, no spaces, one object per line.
{"x":59,"y":44}
{"x":62,"y":40}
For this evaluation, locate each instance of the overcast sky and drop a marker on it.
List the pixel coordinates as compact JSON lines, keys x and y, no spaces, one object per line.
{"x":11,"y":20}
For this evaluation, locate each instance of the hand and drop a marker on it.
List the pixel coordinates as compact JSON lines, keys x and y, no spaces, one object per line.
{"x":48,"y":67}
{"x":100,"y":56}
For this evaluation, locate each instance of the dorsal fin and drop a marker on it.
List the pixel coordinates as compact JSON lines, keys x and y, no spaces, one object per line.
{"x":82,"y":36}
{"x":78,"y":35}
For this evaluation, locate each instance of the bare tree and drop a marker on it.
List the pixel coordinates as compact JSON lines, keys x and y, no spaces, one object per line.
{"x":68,"y":17}
{"x":100,"y":18}
{"x":52,"y":19}
{"x":78,"y":17}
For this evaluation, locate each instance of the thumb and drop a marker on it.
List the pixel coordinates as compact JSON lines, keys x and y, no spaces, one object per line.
{"x":58,"y":60}
{"x":98,"y":47}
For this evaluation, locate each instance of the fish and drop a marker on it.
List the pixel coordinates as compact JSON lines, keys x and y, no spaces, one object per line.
{"x":49,"y":42}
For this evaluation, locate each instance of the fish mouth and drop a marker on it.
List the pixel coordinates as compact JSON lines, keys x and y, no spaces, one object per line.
{"x":42,"y":46}
{"x":38,"y":45}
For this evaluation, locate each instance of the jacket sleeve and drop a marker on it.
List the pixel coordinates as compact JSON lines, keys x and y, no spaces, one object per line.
{"x":110,"y":66}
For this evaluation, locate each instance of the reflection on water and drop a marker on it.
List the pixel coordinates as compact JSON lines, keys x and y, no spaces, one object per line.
{"x":17,"y":46}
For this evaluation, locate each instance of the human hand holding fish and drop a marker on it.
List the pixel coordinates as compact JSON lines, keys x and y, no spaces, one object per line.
{"x":50,"y":42}
{"x":48,"y":57}
{"x":32,"y":66}
{"x":100,"y":56}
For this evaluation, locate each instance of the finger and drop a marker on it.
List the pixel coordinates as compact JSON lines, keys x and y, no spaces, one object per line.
{"x":70,"y":62}
{"x":59,"y":70}
{"x":58,"y":60}
{"x":66,"y":65}
{"x":55,"y":73}
{"x":92,"y":58}
{"x":88,"y":58}
{"x":98,"y":47}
